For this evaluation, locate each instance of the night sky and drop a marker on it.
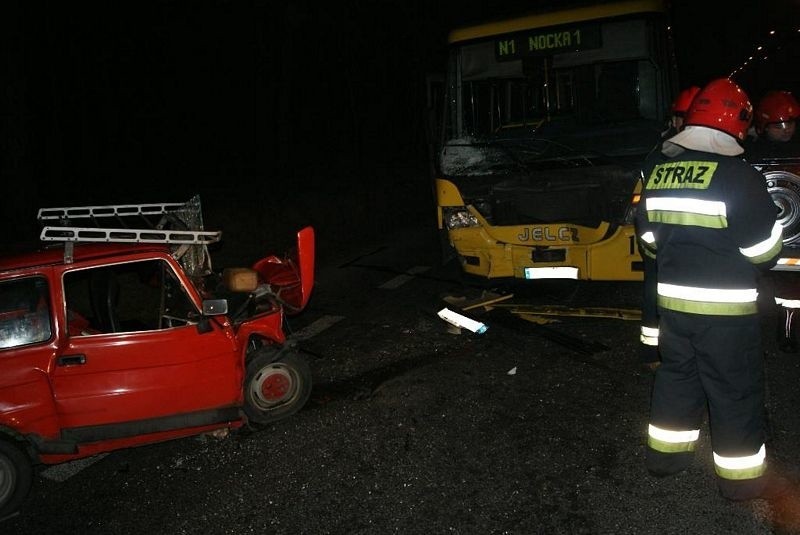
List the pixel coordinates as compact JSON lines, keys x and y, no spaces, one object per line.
{"x":154,"y":99}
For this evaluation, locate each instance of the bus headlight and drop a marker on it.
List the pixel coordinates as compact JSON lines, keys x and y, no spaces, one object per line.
{"x":459,"y":217}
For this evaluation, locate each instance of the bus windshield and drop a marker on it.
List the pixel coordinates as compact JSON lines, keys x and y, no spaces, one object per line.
{"x":571,"y":91}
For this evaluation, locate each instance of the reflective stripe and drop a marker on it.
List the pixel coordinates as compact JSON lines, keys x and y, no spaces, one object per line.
{"x":647,"y":244}
{"x":667,"y":441}
{"x":766,"y":249}
{"x":709,"y":309}
{"x":714,"y":295}
{"x":716,"y":302}
{"x":648,"y":340}
{"x":746,"y":467}
{"x":687,"y":212}
{"x":649,"y":331}
{"x":687,"y":220}
{"x":787,"y":303}
{"x":688,"y":205}
{"x":649,"y":336}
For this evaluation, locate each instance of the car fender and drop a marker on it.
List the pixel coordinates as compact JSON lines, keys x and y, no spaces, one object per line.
{"x":27,"y":405}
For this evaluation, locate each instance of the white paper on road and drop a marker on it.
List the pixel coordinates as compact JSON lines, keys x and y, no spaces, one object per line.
{"x":458,"y":320}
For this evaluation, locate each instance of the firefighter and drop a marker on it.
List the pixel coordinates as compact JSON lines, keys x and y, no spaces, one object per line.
{"x":648,"y":335}
{"x":680,"y":106}
{"x":775,"y":122}
{"x":708,"y":219}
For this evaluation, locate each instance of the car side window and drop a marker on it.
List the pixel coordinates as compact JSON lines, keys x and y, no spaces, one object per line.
{"x":129,"y":297}
{"x":24,"y":312}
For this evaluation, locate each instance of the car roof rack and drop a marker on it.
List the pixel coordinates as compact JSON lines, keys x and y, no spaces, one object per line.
{"x":177,"y":224}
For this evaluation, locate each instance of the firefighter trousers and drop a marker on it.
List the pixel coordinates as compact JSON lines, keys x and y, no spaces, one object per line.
{"x":710,"y":365}
{"x":648,"y":348}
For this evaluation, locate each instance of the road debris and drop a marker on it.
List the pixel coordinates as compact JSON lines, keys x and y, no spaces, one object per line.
{"x":629,"y":314}
{"x":538,"y":316}
{"x":454,"y":318}
{"x":485,"y":301}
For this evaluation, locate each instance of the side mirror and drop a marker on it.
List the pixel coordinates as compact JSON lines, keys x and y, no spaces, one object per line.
{"x":211,"y":307}
{"x":215,"y":307}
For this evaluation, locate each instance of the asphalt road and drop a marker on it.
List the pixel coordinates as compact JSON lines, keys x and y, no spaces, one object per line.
{"x":413,"y":427}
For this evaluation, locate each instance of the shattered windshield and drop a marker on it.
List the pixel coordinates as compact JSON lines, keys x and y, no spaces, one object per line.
{"x":562,"y":109}
{"x":468,"y":155}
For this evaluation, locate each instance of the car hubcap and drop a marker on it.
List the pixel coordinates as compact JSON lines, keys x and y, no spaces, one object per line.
{"x":275,"y":386}
{"x":272,"y":386}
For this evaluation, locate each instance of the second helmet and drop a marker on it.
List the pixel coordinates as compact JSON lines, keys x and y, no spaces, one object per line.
{"x":776,"y":107}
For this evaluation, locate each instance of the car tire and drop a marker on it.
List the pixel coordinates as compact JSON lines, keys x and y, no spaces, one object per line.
{"x":277,"y":385}
{"x":16,"y":477}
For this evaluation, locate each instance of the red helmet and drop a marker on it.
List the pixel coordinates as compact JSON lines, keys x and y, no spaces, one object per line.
{"x":776,"y":107}
{"x":721,"y":105}
{"x":684,"y":99}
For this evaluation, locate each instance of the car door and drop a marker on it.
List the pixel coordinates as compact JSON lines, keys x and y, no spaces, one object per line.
{"x":136,"y":360}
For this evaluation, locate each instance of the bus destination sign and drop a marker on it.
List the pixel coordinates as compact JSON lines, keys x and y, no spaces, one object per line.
{"x":547,"y":41}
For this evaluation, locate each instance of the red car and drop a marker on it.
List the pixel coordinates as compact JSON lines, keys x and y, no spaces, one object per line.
{"x":111,"y":345}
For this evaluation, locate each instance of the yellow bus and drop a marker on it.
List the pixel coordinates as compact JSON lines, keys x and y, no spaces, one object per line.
{"x":546,"y":119}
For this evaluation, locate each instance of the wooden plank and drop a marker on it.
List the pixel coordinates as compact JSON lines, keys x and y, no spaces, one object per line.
{"x":485,"y":301}
{"x":629,"y":314}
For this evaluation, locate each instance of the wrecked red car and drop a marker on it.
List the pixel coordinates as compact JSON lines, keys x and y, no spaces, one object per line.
{"x":112,"y":337}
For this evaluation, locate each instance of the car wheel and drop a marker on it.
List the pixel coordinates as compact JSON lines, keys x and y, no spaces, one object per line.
{"x":16,"y":476}
{"x":785,"y":190}
{"x":277,"y":385}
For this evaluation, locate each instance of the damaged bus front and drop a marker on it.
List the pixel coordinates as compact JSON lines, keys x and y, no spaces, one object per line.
{"x":547,"y":119}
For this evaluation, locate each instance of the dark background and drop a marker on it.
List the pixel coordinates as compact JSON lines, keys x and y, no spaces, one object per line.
{"x":127,"y":102}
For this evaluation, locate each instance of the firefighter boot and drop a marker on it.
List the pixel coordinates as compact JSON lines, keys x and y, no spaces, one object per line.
{"x":771,"y":487}
{"x":660,"y":464}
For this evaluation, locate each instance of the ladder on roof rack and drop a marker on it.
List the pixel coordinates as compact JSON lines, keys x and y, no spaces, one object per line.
{"x":178,"y":224}
{"x":92,"y":234}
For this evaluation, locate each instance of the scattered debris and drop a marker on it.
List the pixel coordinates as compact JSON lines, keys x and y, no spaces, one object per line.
{"x":460,"y":321}
{"x":539,"y":316}
{"x":537,"y":319}
{"x":631,"y":314}
{"x":484,"y":301}
{"x":219,"y":434}
{"x":512,"y":371}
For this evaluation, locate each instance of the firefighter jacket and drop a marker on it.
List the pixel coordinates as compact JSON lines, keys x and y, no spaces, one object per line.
{"x":710,"y":222}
